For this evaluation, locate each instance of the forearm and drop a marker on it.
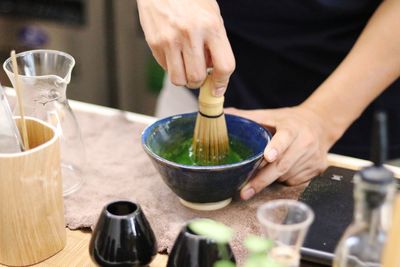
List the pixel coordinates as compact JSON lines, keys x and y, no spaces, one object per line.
{"x":370,"y":67}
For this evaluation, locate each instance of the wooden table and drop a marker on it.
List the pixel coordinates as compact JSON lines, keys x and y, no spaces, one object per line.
{"x":76,"y":254}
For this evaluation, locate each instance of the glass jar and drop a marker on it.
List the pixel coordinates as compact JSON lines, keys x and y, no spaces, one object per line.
{"x":44,"y":76}
{"x":363,"y":241}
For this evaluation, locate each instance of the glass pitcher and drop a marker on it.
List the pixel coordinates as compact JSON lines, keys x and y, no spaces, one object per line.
{"x":44,"y":76}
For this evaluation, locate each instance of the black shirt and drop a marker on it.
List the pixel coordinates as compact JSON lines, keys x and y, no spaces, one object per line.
{"x":285,"y":49}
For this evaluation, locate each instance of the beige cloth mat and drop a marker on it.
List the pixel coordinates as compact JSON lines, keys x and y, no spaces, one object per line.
{"x":118,"y":168}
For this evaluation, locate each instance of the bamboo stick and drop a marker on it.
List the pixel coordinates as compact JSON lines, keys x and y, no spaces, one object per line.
{"x":20,"y":101}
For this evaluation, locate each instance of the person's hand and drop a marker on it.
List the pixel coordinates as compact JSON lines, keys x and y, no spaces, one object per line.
{"x":186,"y":37}
{"x":297,"y":151}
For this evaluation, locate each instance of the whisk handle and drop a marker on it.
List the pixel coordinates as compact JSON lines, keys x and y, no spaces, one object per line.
{"x":209,"y":104}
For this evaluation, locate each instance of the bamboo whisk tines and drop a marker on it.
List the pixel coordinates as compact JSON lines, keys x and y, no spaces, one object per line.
{"x":210,"y":140}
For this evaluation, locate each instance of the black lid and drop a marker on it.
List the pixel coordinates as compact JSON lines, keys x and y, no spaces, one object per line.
{"x":378,"y":175}
{"x":379,"y":142}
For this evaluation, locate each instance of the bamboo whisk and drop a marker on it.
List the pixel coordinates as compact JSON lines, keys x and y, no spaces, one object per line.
{"x":210,"y":140}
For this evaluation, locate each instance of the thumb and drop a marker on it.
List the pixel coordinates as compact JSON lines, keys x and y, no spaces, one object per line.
{"x":271,"y":119}
{"x":279,"y":143}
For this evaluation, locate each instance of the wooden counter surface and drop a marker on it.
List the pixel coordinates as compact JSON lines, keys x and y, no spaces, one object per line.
{"x":76,"y":254}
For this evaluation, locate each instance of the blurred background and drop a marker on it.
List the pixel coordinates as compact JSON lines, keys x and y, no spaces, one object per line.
{"x":114,"y":66}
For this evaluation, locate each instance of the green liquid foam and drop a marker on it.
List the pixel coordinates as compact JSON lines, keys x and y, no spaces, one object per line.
{"x":183,"y":154}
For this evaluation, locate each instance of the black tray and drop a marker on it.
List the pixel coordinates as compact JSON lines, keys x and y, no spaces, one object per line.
{"x":330,"y":195}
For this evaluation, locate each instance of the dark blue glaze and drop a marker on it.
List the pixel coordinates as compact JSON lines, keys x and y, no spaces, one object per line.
{"x":122,"y":237}
{"x":191,"y":250}
{"x":203,"y":184}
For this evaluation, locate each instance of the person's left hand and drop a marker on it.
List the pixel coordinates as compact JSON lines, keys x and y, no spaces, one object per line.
{"x":297,"y":151}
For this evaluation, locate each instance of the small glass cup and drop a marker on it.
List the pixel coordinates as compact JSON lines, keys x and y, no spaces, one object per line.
{"x":286,"y":223}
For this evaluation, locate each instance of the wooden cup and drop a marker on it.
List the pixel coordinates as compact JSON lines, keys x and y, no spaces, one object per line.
{"x":32,"y":224}
{"x":391,"y":254}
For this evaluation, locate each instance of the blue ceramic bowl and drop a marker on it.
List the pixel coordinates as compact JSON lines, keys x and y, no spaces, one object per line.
{"x":204,"y":184}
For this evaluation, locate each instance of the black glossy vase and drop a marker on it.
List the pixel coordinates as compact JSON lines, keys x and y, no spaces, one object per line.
{"x":122,"y":237}
{"x":191,"y":250}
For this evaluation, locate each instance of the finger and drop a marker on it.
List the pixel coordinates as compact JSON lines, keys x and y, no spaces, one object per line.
{"x":176,"y":69}
{"x":160,"y":58}
{"x":279,"y":143}
{"x":294,"y":173}
{"x":312,"y":164}
{"x":223,"y":61}
{"x":287,"y":163}
{"x":207,"y":56}
{"x":272,"y":172}
{"x":263,"y":178}
{"x":195,"y":63}
{"x":302,"y":177}
{"x":304,"y":162}
{"x":262,"y":164}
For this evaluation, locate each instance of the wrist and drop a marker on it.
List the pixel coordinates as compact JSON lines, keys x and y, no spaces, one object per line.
{"x":332,"y":127}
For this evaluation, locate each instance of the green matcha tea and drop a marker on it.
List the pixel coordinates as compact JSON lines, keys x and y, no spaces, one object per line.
{"x":183,"y":153}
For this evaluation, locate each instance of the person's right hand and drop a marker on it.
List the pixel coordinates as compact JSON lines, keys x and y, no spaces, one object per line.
{"x":186,"y":37}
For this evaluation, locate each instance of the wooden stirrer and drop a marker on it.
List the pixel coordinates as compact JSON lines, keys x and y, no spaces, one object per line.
{"x":19,"y":100}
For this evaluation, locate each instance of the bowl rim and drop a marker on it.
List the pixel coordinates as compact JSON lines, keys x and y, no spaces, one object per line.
{"x":195,"y":167}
